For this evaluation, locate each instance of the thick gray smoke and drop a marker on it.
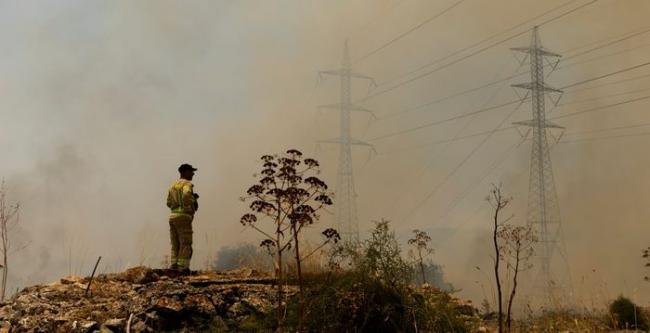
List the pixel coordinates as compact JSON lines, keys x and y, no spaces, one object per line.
{"x":101,"y":101}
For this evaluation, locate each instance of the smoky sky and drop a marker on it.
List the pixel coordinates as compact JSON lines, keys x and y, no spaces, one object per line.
{"x":102,"y":100}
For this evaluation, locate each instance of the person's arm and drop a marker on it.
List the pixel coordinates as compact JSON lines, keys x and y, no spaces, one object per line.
{"x":196,"y":202}
{"x":169,"y":199}
{"x":188,"y":198}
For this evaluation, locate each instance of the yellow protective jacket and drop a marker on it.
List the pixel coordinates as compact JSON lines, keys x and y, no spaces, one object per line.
{"x":180,"y":198}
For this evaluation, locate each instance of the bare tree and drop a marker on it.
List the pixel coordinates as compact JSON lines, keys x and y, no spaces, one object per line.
{"x":517,"y":252}
{"x":421,"y":241}
{"x":9,"y":218}
{"x":290,"y":196}
{"x":499,"y":202}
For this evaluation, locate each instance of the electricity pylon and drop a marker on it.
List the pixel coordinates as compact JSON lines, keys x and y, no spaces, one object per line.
{"x":543,"y":208}
{"x":345,"y":196}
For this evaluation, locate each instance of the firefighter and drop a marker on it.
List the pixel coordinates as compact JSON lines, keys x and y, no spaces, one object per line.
{"x":183,"y":203}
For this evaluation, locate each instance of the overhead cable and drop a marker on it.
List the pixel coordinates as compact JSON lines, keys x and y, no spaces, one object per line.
{"x":471,"y":90}
{"x":404,"y":34}
{"x":417,"y":77}
{"x":460,"y":165}
{"x":478,"y":43}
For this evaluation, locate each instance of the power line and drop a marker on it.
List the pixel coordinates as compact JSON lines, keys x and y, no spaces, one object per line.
{"x":495,"y":165}
{"x":438,"y":122}
{"x":606,"y":137}
{"x":464,"y":92}
{"x":605,"y":75}
{"x":478,"y":43}
{"x":471,"y":54}
{"x":604,"y":56}
{"x":372,"y":21}
{"x":473,"y":135}
{"x":457,"y":133}
{"x":459,"y":165}
{"x":597,"y":130}
{"x":415,"y":78}
{"x":469,"y":189}
{"x":404,"y":34}
{"x":611,"y":83}
{"x":611,"y":43}
{"x":460,"y":138}
{"x":441,"y":244}
{"x":602,"y":97}
{"x":600,"y":108}
{"x":472,"y":187}
{"x":400,"y":113}
{"x":600,"y":41}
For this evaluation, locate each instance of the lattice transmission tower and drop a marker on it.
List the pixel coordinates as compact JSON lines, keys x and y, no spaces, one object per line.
{"x":543,"y":208}
{"x":347,"y":221}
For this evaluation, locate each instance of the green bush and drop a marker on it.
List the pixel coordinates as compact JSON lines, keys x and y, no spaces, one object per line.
{"x":627,"y":315}
{"x":380,"y":257}
{"x":375,"y":294}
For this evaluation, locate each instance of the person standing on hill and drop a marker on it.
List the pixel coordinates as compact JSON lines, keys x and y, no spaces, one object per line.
{"x":183,"y":203}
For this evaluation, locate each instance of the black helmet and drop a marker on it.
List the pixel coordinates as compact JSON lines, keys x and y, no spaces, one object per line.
{"x":186,"y":167}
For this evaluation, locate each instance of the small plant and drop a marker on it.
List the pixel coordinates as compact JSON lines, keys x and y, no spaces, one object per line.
{"x":9,"y":219}
{"x":289,"y":195}
{"x":420,"y":242}
{"x":627,"y":315}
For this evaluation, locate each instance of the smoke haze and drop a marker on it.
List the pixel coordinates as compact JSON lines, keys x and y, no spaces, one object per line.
{"x":101,"y":101}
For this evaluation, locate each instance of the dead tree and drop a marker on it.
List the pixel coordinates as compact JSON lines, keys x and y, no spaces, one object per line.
{"x":498,"y":202}
{"x":421,"y":241}
{"x":9,"y":218}
{"x":518,"y":249}
{"x":290,"y":196}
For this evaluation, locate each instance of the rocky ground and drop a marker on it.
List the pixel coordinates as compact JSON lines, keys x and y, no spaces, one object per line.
{"x":155,"y":300}
{"x":142,"y":300}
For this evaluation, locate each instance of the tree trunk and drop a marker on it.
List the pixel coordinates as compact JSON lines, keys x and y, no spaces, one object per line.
{"x":3,"y":229}
{"x":280,"y":291}
{"x":512,"y":293}
{"x":4,"y":273}
{"x":301,"y":296}
{"x":424,"y":279}
{"x":497,"y":259}
{"x":278,"y":278}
